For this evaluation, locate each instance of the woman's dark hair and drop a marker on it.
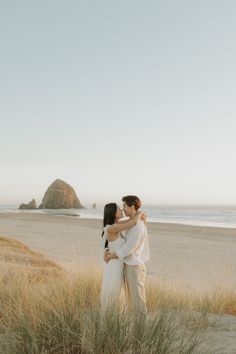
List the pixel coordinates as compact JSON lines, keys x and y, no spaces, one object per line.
{"x":132,"y":200}
{"x":109,"y":216}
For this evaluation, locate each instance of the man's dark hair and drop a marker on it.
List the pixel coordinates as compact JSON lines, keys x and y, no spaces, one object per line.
{"x":132,"y":200}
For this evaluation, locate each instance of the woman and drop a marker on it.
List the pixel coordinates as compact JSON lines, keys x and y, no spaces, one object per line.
{"x":113,"y":286}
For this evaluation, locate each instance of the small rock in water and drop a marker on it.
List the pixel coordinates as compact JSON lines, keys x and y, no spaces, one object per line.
{"x":30,"y":205}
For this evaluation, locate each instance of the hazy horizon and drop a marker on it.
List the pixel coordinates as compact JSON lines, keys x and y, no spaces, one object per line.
{"x":119,"y":98}
{"x":100,"y":203}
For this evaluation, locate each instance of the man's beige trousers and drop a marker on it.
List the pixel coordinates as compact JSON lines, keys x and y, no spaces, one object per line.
{"x":135,"y":278}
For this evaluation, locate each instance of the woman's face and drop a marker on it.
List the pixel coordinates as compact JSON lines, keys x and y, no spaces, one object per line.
{"x":119,"y":213}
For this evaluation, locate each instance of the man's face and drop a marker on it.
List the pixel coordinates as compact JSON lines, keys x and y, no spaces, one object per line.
{"x":127,"y":209}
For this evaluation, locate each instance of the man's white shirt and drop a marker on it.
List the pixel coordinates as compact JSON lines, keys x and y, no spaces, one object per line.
{"x":136,"y":249}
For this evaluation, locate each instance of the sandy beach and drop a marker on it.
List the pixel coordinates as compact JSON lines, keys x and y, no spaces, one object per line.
{"x":186,"y":256}
{"x":183,"y":256}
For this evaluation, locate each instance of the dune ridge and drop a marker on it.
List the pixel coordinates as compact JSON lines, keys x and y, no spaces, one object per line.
{"x":16,"y":257}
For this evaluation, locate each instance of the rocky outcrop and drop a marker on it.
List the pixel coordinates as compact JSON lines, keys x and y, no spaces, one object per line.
{"x":94,"y":206}
{"x":30,"y":205}
{"x":60,"y":195}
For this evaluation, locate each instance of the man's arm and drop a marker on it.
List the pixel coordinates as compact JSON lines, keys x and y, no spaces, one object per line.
{"x":128,"y":248}
{"x":131,"y":244}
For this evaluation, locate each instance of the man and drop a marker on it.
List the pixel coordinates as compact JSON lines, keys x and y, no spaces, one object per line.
{"x":134,"y":253}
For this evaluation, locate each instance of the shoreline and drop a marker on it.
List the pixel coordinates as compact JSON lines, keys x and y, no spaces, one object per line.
{"x":176,"y":225}
{"x":98,"y":215}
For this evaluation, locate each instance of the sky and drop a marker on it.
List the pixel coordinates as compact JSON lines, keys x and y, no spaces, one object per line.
{"x":118,"y":97}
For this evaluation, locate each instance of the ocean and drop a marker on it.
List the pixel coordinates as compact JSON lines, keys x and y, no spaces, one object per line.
{"x":197,"y":216}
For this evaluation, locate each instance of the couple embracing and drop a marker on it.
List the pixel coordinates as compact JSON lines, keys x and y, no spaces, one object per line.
{"x":125,"y":250}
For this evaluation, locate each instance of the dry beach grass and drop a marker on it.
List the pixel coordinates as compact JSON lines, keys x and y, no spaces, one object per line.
{"x":61,"y":315}
{"x":44,"y":309}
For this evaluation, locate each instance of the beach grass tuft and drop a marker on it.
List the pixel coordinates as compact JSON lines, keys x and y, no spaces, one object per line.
{"x":62,"y":315}
{"x":45,"y":309}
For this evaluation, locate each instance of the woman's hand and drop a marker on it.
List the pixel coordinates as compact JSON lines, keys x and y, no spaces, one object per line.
{"x":144,"y":218}
{"x":137,"y":217}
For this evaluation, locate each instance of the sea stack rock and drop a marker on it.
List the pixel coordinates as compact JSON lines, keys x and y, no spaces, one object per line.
{"x":60,"y":195}
{"x":94,"y":206}
{"x":30,"y":205}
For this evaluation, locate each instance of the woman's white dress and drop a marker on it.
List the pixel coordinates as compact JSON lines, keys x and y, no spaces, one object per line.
{"x":113,"y":285}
